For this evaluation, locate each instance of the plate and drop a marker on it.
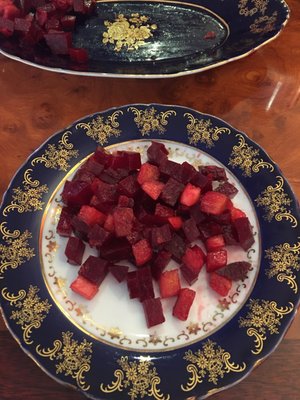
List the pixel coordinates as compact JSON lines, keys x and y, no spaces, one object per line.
{"x":150,"y":39}
{"x":107,"y":352}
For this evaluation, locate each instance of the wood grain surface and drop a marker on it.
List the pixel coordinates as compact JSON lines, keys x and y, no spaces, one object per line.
{"x":258,"y":95}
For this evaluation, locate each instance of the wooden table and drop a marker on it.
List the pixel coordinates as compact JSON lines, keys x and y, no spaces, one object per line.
{"x":258,"y":95}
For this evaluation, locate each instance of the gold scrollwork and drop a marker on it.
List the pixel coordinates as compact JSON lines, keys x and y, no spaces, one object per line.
{"x":129,"y":33}
{"x":140,"y":377}
{"x":284,"y":260}
{"x":30,"y":310}
{"x":264,"y":24}
{"x":149,"y":120}
{"x":58,"y":156}
{"x":263,"y":318}
{"x":247,"y":158}
{"x":27,"y":198}
{"x":257,"y":6}
{"x":211,"y":361}
{"x":16,"y":250}
{"x":100,"y":130}
{"x":275,"y":201}
{"x":73,"y":358}
{"x":203,"y":131}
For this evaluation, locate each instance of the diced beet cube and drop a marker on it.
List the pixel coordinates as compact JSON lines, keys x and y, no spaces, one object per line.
{"x":80,"y":228}
{"x":22,"y":24}
{"x":170,"y":168}
{"x":149,"y":219}
{"x":202,"y":181}
{"x":74,"y":250}
{"x":160,"y":262}
{"x":208,"y":229}
{"x":189,"y":276}
{"x":80,"y":56}
{"x":176,"y":247}
{"x":109,"y":224}
{"x":157,"y":153}
{"x":219,"y":284}
{"x":148,"y":172}
{"x":229,"y":234}
{"x":64,"y":227}
{"x":215,"y":243}
{"x":119,"y":160}
{"x":102,"y":156}
{"x":129,"y":186}
{"x":97,"y":236}
{"x":222,"y":219}
{"x":194,"y":259}
{"x":105,"y":192}
{"x":235,"y":271}
{"x":175,"y":222}
{"x":84,"y":288}
{"x":134,"y":236}
{"x":113,"y":176}
{"x":197,"y":215}
{"x":228,"y":189}
{"x":183,"y":303}
{"x":119,"y":271}
{"x":145,"y":283}
{"x":68,"y":22}
{"x":163,"y":211}
{"x":134,"y":160}
{"x":217,"y":173}
{"x":153,"y":188}
{"x":116,"y":249}
{"x":91,"y":216}
{"x":190,"y":195}
{"x":123,"y":221}
{"x":53,"y":24}
{"x":142,"y":252}
{"x":172,"y":191}
{"x":105,"y":208}
{"x":161,"y":235}
{"x":125,"y":201}
{"x":213,"y":203}
{"x":83,"y":175}
{"x":94,"y":269}
{"x":236,"y":213}
{"x":244,"y":232}
{"x":59,"y":42}
{"x":93,"y":166}
{"x":153,"y":312}
{"x":190,"y":230}
{"x":188,"y":172}
{"x":169,"y":283}
{"x":11,"y":12}
{"x":76,"y":193}
{"x":133,"y":285}
{"x":6,"y":27}
{"x":78,"y":6}
{"x":216,"y":260}
{"x":62,"y":4}
{"x":44,"y":12}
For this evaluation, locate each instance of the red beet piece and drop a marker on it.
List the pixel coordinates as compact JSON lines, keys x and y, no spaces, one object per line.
{"x":123,"y":221}
{"x":230,"y":235}
{"x":216,"y":260}
{"x":116,"y":249}
{"x":145,"y":283}
{"x":74,"y":250}
{"x":169,"y":283}
{"x":78,"y":55}
{"x":91,"y":215}
{"x":170,"y":168}
{"x":105,"y":208}
{"x":22,"y":24}
{"x":6,"y":27}
{"x":84,"y":288}
{"x":171,"y":191}
{"x":161,"y":235}
{"x":129,"y":186}
{"x":93,"y":166}
{"x":190,"y":230}
{"x":194,"y":259}
{"x":11,"y":12}
{"x":105,"y":192}
{"x":68,"y":22}
{"x":190,"y":195}
{"x":125,"y":201}
{"x":84,"y":176}
{"x":153,"y":188}
{"x":43,"y":13}
{"x":217,"y":173}
{"x":64,"y":227}
{"x":188,"y":172}
{"x":236,"y":271}
{"x":63,"y":5}
{"x":133,"y":285}
{"x":198,"y":216}
{"x":208,"y":229}
{"x":59,"y":42}
{"x":236,"y":213}
{"x":148,"y":172}
{"x":102,"y":156}
{"x":210,"y":35}
{"x":176,"y":247}
{"x":80,"y":228}
{"x":219,"y":284}
{"x":109,"y":224}
{"x":76,"y":193}
{"x":183,"y":303}
{"x":215,"y":243}
{"x":163,"y":211}
{"x":228,"y":189}
{"x":244,"y":232}
{"x":160,"y":262}
{"x":157,"y":153}
{"x":134,"y":160}
{"x":214,"y":203}
{"x":94,"y":269}
{"x":202,"y":181}
{"x":142,"y":252}
{"x":53,"y":24}
{"x":153,"y":312}
{"x":175,"y":222}
{"x":189,"y":276}
{"x":119,"y":271}
{"x":97,"y":236}
{"x":222,"y":219}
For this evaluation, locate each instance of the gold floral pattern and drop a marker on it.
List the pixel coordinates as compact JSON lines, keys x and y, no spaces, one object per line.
{"x":263,"y":318}
{"x":203,"y":131}
{"x":149,"y":120}
{"x":73,"y":358}
{"x":16,"y":251}
{"x":284,"y":261}
{"x":140,"y":379}
{"x":29,"y":197}
{"x":129,"y":33}
{"x":30,"y":310}
{"x":247,"y":158}
{"x":275,"y":202}
{"x":212,"y":362}
{"x":256,"y":6}
{"x":58,"y":156}
{"x":264,"y":24}
{"x":101,"y":129}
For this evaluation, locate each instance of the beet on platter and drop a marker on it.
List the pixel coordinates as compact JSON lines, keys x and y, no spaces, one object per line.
{"x":147,"y":242}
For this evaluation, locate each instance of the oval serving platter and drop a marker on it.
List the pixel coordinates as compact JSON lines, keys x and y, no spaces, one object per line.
{"x":150,"y":39}
{"x":108,"y":352}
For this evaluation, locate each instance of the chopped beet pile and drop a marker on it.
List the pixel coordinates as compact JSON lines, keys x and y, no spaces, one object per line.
{"x":49,"y":22}
{"x":148,"y":214}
